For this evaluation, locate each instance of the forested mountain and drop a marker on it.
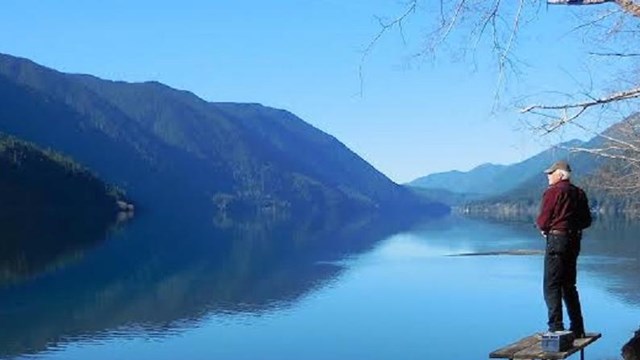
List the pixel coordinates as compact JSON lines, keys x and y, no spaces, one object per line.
{"x":168,"y":147}
{"x":479,"y":180}
{"x":47,"y":202}
{"x":490,"y":180}
{"x":527,"y":182}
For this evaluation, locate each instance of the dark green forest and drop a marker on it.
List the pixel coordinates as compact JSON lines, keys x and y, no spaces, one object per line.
{"x":50,"y":207}
{"x":167,"y":147}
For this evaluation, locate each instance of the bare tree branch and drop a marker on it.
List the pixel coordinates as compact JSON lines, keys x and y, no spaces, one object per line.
{"x":578,"y":2}
{"x":614,"y":54}
{"x":605,"y":152}
{"x":497,"y":24}
{"x":452,"y":22}
{"x":384,"y":28}
{"x":565,"y":113}
{"x":629,"y":6}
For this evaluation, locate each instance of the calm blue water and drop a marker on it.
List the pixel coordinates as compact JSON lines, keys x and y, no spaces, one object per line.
{"x":362,"y":290}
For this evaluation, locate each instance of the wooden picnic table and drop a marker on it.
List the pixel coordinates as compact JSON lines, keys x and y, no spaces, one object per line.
{"x":530,"y":348}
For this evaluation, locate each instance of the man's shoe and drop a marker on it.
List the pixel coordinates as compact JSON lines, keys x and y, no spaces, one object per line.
{"x":579,"y":334}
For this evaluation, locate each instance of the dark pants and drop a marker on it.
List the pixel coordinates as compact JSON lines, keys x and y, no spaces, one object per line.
{"x":560,"y":262}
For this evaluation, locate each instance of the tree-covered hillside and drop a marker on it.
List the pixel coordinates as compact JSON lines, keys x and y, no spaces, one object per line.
{"x":168,"y":147}
{"x":591,"y":172}
{"x":490,"y":180}
{"x":50,"y":206}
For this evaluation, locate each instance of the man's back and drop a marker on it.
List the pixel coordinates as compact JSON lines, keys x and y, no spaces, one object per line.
{"x":564,"y":207}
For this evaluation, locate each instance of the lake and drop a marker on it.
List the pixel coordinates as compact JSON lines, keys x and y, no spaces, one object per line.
{"x":371,"y":288}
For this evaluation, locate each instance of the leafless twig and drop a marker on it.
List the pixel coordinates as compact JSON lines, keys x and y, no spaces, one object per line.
{"x":614,"y":54}
{"x":384,"y":28}
{"x":566,"y":113}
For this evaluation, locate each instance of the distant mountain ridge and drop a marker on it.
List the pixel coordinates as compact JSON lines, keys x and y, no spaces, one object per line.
{"x":489,"y":180}
{"x":473,"y":181}
{"x":521,"y":195}
{"x":166,"y":145}
{"x":525,"y":198}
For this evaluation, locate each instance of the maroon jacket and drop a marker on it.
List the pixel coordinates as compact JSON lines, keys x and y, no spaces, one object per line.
{"x":564,"y":207}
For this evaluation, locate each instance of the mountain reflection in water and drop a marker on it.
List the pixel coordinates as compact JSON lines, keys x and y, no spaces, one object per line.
{"x":167,"y":274}
{"x":163,"y":273}
{"x":31,"y":246}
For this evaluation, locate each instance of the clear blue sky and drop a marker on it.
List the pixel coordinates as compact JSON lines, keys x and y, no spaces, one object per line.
{"x":411,"y":119}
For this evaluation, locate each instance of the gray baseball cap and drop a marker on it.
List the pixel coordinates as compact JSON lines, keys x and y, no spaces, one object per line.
{"x":558,"y":165}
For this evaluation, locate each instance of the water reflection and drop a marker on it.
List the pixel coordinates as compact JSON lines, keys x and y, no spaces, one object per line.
{"x":163,"y":273}
{"x":610,"y":251}
{"x":610,"y":248}
{"x":614,"y":253}
{"x":166,"y":272}
{"x":32,"y":245}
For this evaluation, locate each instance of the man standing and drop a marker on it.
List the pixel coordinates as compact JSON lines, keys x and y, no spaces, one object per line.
{"x":564,"y":213}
